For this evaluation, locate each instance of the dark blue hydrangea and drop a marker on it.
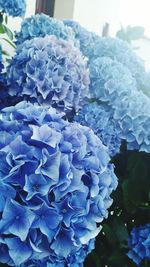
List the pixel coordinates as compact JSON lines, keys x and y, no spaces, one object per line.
{"x":14,"y":8}
{"x":86,"y":39}
{"x":41,"y":25}
{"x":55,"y":186}
{"x":110,"y":80}
{"x":50,"y":71}
{"x":99,"y":117}
{"x":139,"y":244}
{"x":122,"y":51}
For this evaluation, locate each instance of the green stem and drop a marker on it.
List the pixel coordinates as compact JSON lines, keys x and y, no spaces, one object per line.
{"x":8,"y":41}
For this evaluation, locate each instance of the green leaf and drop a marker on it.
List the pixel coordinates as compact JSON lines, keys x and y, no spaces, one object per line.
{"x":110,"y":235}
{"x":5,"y":53}
{"x":120,"y":231}
{"x":9,"y":42}
{"x":6,"y":19}
{"x":2,"y":30}
{"x":1,"y":18}
{"x":132,"y":195}
{"x":117,"y":259}
{"x":8,"y":32}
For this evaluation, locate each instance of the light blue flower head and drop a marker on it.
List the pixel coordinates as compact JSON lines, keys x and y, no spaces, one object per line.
{"x":99,"y":117}
{"x":51,"y":71}
{"x":121,"y":51}
{"x":41,"y":25}
{"x":86,"y":38}
{"x":139,"y":244}
{"x":133,"y":116}
{"x":14,"y":8}
{"x":55,"y":186}
{"x":110,"y":80}
{"x":126,"y":109}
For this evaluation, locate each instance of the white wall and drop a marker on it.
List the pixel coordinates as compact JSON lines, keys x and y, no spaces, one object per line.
{"x":93,"y":14}
{"x":64,"y":9}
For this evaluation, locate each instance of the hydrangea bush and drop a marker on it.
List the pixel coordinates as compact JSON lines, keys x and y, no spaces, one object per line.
{"x":139,"y":244}
{"x":14,"y":8}
{"x":56,"y":182}
{"x":50,"y":71}
{"x":41,"y":25}
{"x":56,"y":177}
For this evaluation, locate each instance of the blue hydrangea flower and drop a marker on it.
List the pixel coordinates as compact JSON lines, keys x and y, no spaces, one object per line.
{"x":99,"y":117}
{"x":14,"y":8}
{"x":122,"y":112}
{"x":122,"y":51}
{"x":41,"y":25}
{"x":139,"y":244}
{"x":110,"y":80}
{"x":73,"y":260}
{"x":133,"y":116}
{"x":51,"y":71}
{"x":59,"y":181}
{"x":86,"y":39}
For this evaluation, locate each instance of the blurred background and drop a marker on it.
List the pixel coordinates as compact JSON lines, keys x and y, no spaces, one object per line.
{"x":94,"y":14}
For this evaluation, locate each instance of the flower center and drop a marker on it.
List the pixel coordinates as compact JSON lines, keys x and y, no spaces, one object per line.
{"x":64,"y":211}
{"x":36,"y":187}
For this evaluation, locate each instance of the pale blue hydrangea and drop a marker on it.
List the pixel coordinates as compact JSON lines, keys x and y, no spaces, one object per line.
{"x":56,"y":184}
{"x":86,"y":38}
{"x":112,"y":85}
{"x":99,"y":117}
{"x":110,"y":80}
{"x":14,"y":8}
{"x":139,"y":244}
{"x":51,"y":72}
{"x":133,"y":116}
{"x":123,"y":52}
{"x":41,"y":25}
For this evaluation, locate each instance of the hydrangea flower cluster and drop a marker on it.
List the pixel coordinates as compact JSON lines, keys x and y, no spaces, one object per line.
{"x":110,"y":80}
{"x":41,"y":25}
{"x":74,"y":260}
{"x":121,"y":51}
{"x":133,"y":117}
{"x":87,"y":39}
{"x":51,"y":71}
{"x":124,"y":110}
{"x":55,"y":186}
{"x":14,"y":8}
{"x":99,"y":117}
{"x":139,"y":244}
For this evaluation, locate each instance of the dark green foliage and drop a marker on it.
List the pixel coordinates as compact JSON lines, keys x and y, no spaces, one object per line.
{"x":131,"y":208}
